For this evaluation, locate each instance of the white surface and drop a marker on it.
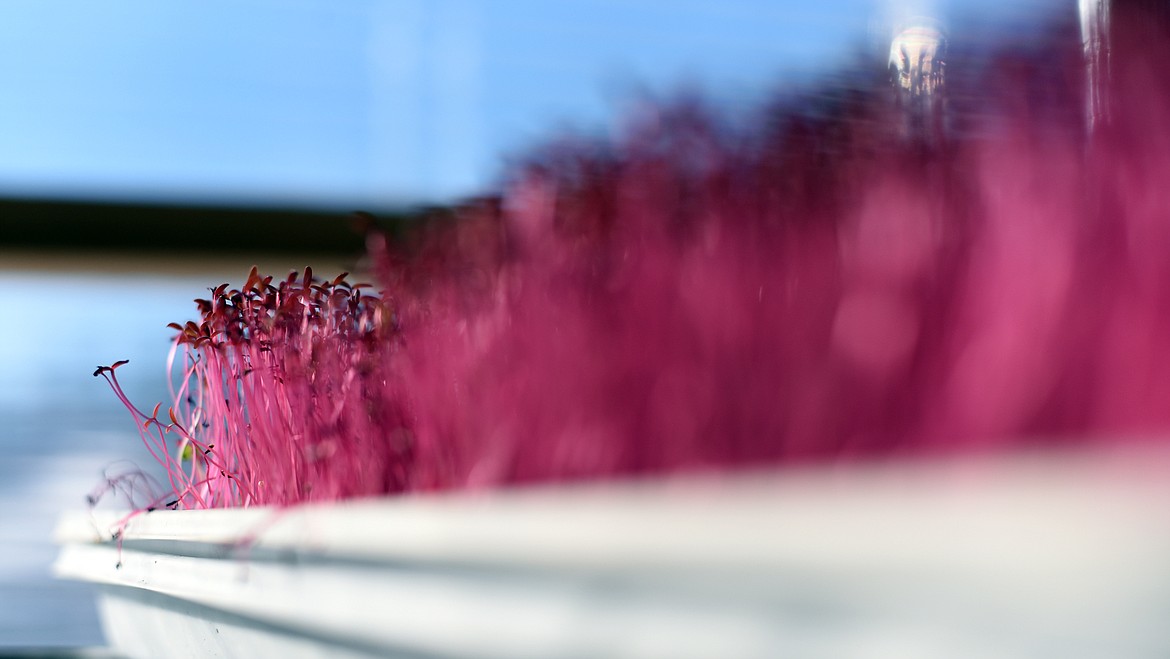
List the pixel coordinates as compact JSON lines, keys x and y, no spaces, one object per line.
{"x":1054,"y":557}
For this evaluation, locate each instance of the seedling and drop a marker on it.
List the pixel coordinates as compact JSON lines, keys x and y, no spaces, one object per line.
{"x":282,"y":396}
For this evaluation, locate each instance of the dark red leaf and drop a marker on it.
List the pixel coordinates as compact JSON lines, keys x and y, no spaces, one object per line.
{"x":253,"y":278}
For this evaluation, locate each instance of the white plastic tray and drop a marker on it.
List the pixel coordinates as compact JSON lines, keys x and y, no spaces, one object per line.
{"x":1036,"y":556}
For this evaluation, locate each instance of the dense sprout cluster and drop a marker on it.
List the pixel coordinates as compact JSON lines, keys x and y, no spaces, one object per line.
{"x":280,"y":386}
{"x":698,"y":295}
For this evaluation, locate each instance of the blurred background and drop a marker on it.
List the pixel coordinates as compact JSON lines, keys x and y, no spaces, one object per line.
{"x":150,"y":150}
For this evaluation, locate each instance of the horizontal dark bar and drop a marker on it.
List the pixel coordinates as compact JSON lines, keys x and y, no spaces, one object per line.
{"x":131,"y":227}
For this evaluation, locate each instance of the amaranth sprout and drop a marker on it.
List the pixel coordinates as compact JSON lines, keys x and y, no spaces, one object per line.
{"x":283,"y":395}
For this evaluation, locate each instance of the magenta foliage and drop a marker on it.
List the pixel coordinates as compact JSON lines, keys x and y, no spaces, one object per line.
{"x":285,"y":396}
{"x":812,"y":286}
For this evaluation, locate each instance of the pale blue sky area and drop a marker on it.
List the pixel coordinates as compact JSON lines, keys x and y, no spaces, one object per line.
{"x":363,"y":103}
